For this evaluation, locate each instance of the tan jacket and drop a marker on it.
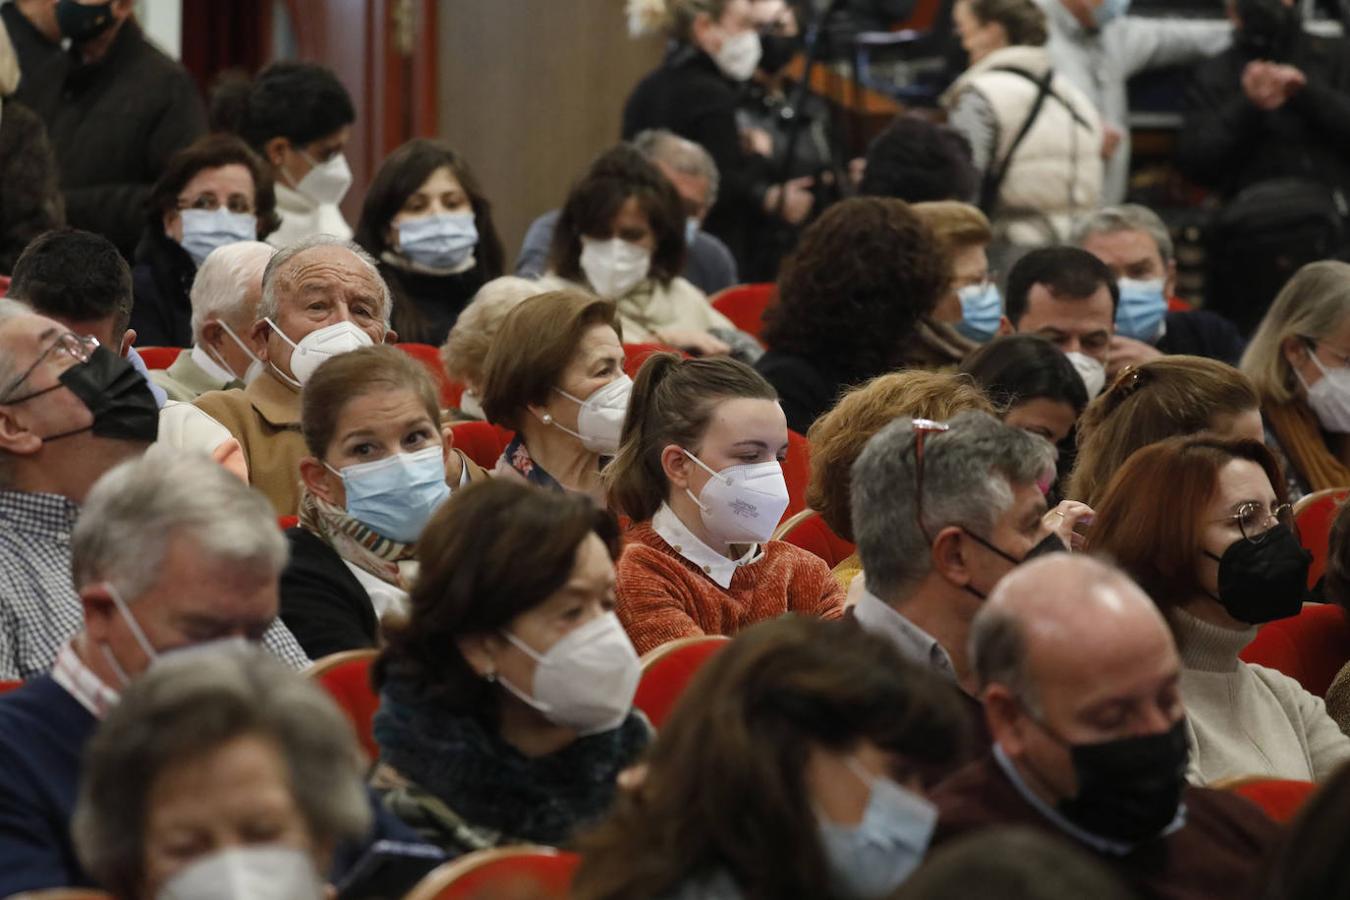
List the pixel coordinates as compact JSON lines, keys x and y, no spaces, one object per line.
{"x":265,"y":418}
{"x":186,"y":381}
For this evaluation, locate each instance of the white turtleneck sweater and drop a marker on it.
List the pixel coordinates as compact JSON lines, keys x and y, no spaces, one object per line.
{"x":1243,"y":719}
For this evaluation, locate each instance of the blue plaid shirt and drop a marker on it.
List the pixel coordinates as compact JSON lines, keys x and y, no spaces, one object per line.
{"x":39,"y":608}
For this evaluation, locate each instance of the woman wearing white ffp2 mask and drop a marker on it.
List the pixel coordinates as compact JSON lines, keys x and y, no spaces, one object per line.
{"x":700,"y":471}
{"x":507,"y":696}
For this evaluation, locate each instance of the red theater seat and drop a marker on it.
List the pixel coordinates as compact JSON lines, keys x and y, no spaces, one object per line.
{"x":541,"y":873}
{"x":808,"y":530}
{"x":346,"y":678}
{"x":667,"y":670}
{"x":1310,"y":647}
{"x":1314,"y":515}
{"x":1279,"y":798}
{"x":634,"y":355}
{"x":429,"y":356}
{"x":158,"y":357}
{"x":481,"y":442}
{"x":744,"y":305}
{"x":797,"y":473}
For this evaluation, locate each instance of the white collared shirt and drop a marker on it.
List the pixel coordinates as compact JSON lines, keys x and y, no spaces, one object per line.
{"x":384,"y":597}
{"x":683,"y":541}
{"x":915,"y":644}
{"x":80,"y":682}
{"x":213,"y":369}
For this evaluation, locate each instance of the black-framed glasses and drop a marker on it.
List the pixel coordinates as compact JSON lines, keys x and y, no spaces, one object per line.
{"x":77,"y":346}
{"x":1254,"y":520}
{"x":922,"y":428}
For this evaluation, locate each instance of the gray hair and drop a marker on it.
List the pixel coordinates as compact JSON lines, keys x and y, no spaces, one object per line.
{"x":682,"y":155}
{"x":138,"y":507}
{"x":267,"y":308}
{"x":1314,"y":304}
{"x":1127,"y":217}
{"x":222,"y":283}
{"x":968,"y":475}
{"x":9,"y":369}
{"x":187,"y":706}
{"x":466,"y":347}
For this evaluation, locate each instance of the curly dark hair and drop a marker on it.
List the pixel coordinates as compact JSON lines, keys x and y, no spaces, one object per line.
{"x":860,"y":280}
{"x":919,"y":161}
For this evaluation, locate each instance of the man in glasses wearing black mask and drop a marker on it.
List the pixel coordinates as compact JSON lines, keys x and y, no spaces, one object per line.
{"x":1080,"y":681}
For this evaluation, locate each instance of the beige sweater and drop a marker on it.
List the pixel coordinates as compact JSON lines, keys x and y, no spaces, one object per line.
{"x":1244,"y":719}
{"x":650,"y":308}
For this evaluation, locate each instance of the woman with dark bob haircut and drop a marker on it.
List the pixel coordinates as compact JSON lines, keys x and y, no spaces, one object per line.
{"x":1201,"y":524}
{"x":787,"y":743}
{"x":1032,"y":382}
{"x":213,"y":192}
{"x":863,"y":278}
{"x":621,"y":235}
{"x":428,"y":224}
{"x":506,"y":698}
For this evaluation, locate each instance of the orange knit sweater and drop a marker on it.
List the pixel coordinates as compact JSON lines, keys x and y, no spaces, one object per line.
{"x":662,"y":596}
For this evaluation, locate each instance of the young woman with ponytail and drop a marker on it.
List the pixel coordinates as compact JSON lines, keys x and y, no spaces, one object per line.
{"x":699,"y":471}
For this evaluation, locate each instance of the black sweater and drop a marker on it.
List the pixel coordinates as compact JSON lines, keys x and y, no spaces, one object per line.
{"x":322,"y":603}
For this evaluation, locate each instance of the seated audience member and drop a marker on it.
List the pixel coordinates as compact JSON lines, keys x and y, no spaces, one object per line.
{"x":1310,"y":863}
{"x":803,"y":734}
{"x":78,"y":279}
{"x":1298,"y":359}
{"x":1168,"y":397}
{"x":506,"y":698}
{"x":919,"y":161}
{"x":427,"y":222}
{"x":1017,"y":863}
{"x":700,"y":472}
{"x":1137,"y":247}
{"x":378,"y":468}
{"x":941,"y":512}
{"x":320,"y":298}
{"x":213,"y":193}
{"x":1036,"y":138}
{"x":554,"y":375}
{"x":973,"y":304}
{"x":708,"y":264}
{"x":1078,"y":675}
{"x":1031,"y":382}
{"x":464,"y":353}
{"x":170,"y":550}
{"x":1335,"y":588}
{"x":1069,"y":297}
{"x":840,"y":435}
{"x":225,"y":296}
{"x":1274,"y":104}
{"x":298,"y":117}
{"x":863,"y":280}
{"x":621,"y":235}
{"x":186,"y":428}
{"x":219,"y":767}
{"x":1201,"y":524}
{"x":30,"y":188}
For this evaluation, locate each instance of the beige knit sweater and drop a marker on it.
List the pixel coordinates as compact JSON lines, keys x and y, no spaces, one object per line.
{"x":1244,"y":719}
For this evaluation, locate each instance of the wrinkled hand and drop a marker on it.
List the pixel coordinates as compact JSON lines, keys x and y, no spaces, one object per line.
{"x":1269,"y":85}
{"x":693,"y":341}
{"x":757,"y":141}
{"x":1111,"y":137}
{"x":796,"y":199}
{"x":1065,"y":520}
{"x":1124,"y":352}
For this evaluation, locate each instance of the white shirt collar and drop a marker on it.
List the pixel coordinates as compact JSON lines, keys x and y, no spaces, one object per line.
{"x":683,"y":541}
{"x":80,"y":682}
{"x":384,"y":597}
{"x":213,"y":369}
{"x":915,"y":644}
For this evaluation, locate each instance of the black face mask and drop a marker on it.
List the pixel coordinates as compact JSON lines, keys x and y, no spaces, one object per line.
{"x":117,"y":395}
{"x":82,"y":23}
{"x":1263,"y":580}
{"x":1051,"y":543}
{"x":777,"y":51}
{"x":1128,"y":789}
{"x":1268,"y":27}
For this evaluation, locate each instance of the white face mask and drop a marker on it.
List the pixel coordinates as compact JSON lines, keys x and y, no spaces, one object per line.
{"x":255,"y":367}
{"x":585,"y":681}
{"x":741,"y":504}
{"x":317,"y":346}
{"x":205,"y":230}
{"x":614,"y":267}
{"x":268,"y":872}
{"x":1329,"y":397}
{"x":328,"y":181}
{"x":600,"y":420}
{"x":1090,"y":370}
{"x":739,"y":55}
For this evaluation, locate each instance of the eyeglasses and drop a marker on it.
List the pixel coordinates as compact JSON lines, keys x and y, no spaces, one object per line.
{"x":211,"y":203}
{"x":1254,"y":520}
{"x":77,"y":346}
{"x":922,"y":428}
{"x":1342,"y":359}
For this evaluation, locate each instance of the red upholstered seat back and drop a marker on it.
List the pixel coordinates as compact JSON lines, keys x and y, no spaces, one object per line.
{"x":1314,"y":515}
{"x":634,"y":355}
{"x":346,"y":678}
{"x":1310,"y":647}
{"x":797,"y":473}
{"x":811,"y":533}
{"x":284,"y":522}
{"x":744,"y":305}
{"x":667,"y":671}
{"x":430,"y":357}
{"x":158,"y":357}
{"x":1279,"y":798}
{"x":10,"y":685}
{"x":481,"y":442}
{"x":542,"y":873}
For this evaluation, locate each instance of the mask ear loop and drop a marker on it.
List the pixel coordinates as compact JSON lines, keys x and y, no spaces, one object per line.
{"x":710,"y":471}
{"x":238,"y":343}
{"x":293,"y":382}
{"x":134,"y":626}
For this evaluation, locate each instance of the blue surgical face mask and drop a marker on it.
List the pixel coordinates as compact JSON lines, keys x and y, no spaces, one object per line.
{"x":981,"y":311}
{"x":442,"y":241}
{"x":1142,"y":306}
{"x":205,"y":230}
{"x":691,"y":227}
{"x":395,"y":496}
{"x":873,"y":858}
{"x":1109,"y":11}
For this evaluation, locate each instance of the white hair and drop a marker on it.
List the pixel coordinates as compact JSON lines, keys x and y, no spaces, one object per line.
{"x":223,"y":282}
{"x":138,"y":507}
{"x":1128,"y":217}
{"x":681,"y":154}
{"x":271,"y":303}
{"x":9,"y":309}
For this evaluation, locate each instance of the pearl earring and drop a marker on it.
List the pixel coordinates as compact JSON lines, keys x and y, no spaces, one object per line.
{"x":547,"y":419}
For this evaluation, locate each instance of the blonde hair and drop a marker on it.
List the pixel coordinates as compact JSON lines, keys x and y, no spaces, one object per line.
{"x":674,"y":18}
{"x":957,"y":225}
{"x":838,"y":437}
{"x":466,"y":347}
{"x":1312,"y":305}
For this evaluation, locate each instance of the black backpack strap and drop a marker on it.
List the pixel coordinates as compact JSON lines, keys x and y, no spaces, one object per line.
{"x":998,"y":169}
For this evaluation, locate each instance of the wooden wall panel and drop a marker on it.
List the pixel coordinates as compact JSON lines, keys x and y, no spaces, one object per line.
{"x":530,"y":91}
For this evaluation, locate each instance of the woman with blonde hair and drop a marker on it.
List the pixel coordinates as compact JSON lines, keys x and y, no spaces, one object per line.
{"x":464,"y":353}
{"x":1299,"y":360}
{"x":973,"y":305}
